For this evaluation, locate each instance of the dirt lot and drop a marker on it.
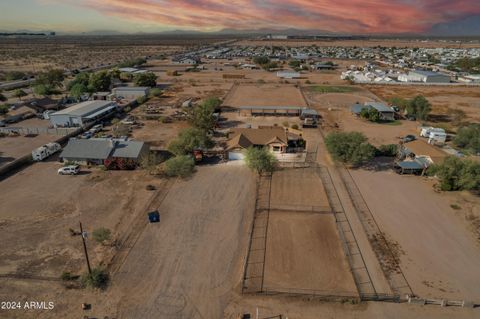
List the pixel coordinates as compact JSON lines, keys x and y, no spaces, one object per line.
{"x":182,"y":265}
{"x":39,"y":206}
{"x":12,"y":147}
{"x":265,"y":95}
{"x":440,"y":256}
{"x":298,"y":189}
{"x":304,"y":253}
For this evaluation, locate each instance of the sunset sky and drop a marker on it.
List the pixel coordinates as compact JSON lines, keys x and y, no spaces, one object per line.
{"x":343,"y":16}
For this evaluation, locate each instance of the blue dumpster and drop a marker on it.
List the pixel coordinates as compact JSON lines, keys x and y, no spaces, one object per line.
{"x":154,"y":217}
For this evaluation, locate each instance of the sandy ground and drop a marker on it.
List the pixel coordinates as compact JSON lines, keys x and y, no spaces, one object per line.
{"x":304,"y":254}
{"x":298,"y":189}
{"x":264,"y":95}
{"x":39,"y":206}
{"x":440,"y":257}
{"x":12,"y":147}
{"x":185,"y":275}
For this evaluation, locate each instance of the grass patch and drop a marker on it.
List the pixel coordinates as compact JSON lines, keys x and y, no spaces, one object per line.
{"x":334,"y":89}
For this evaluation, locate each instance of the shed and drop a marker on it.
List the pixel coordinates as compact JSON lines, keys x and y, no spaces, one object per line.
{"x":82,"y":113}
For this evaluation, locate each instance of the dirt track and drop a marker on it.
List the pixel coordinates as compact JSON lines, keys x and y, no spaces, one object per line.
{"x":304,"y":254}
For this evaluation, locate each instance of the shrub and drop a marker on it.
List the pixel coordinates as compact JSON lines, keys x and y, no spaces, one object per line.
{"x":285,"y":124}
{"x":457,"y":174}
{"x":142,"y":99}
{"x":182,"y":166}
{"x":188,"y":140}
{"x":67,"y":276}
{"x":3,"y":98}
{"x":295,"y":126}
{"x":352,"y":147}
{"x":389,"y":150}
{"x":260,"y":160}
{"x":101,"y":235}
{"x":468,"y":137}
{"x":4,"y":109}
{"x":420,"y":107}
{"x":145,"y":79}
{"x":155,"y":92}
{"x":97,"y":279}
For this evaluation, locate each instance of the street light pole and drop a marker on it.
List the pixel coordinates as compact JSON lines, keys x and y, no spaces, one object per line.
{"x":84,"y":235}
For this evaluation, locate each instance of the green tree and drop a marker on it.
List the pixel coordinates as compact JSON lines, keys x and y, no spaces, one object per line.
{"x":420,"y":107}
{"x":145,"y":79}
{"x":468,"y":137}
{"x":262,"y":60}
{"x":202,"y":116}
{"x":457,"y":174}
{"x":99,"y":81}
{"x":101,"y":235}
{"x":20,"y":93}
{"x":14,"y":75}
{"x":97,"y":279}
{"x":78,"y":90}
{"x":294,"y":64}
{"x":349,"y":147}
{"x":370,"y":114}
{"x":52,"y":78}
{"x":399,"y":102}
{"x":42,"y":89}
{"x":189,"y":140}
{"x":260,"y":160}
{"x":81,"y":78}
{"x":182,"y":166}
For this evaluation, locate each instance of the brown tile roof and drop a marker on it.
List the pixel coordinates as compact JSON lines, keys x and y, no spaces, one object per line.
{"x":246,"y":137}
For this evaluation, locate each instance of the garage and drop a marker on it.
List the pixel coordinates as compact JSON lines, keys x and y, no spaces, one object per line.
{"x":236,"y":155}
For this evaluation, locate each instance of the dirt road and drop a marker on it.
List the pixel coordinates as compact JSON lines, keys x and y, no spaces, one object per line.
{"x":440,"y":257}
{"x":188,"y":265}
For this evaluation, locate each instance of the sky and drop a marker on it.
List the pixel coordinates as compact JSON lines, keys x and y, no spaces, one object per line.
{"x":458,"y":17}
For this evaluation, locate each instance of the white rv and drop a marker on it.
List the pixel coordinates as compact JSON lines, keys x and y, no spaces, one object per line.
{"x":437,"y":138}
{"x":425,"y":131}
{"x":39,"y":154}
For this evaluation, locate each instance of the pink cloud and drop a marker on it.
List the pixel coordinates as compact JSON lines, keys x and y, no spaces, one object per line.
{"x":351,"y":16}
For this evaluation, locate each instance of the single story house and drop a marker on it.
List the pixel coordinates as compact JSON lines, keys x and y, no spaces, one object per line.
{"x":113,"y":153}
{"x":82,"y":113}
{"x":386,"y":112}
{"x":276,"y":139}
{"x":130,"y":92}
{"x":416,"y":166}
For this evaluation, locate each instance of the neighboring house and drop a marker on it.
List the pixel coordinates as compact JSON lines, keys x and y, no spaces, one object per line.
{"x":424,"y":76}
{"x":82,"y":113}
{"x":44,"y":104}
{"x":386,"y":112}
{"x":276,"y":139}
{"x":101,"y":96}
{"x":288,"y":75}
{"x":130,"y":92}
{"x":113,"y":153}
{"x":322,"y":66}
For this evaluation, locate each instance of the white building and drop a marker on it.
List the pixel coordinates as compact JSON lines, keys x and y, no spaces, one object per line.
{"x":288,"y":75}
{"x":424,"y":76}
{"x":82,"y":113}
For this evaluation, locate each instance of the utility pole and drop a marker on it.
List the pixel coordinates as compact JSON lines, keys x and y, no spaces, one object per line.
{"x":84,"y":236}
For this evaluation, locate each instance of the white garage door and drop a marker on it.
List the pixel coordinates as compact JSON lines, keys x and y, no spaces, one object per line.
{"x":233,"y":156}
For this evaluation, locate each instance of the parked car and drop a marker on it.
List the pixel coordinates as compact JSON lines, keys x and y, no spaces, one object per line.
{"x":409,"y":138}
{"x":69,"y":170}
{"x":87,"y":135}
{"x":96,"y":128}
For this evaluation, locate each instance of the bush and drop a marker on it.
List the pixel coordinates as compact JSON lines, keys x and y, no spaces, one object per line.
{"x":420,"y":107}
{"x":457,"y":174}
{"x":468,"y":137}
{"x":389,"y":150}
{"x":352,"y":147}
{"x":145,"y":79}
{"x":67,"y":276}
{"x":295,"y":126}
{"x":370,"y":114}
{"x":97,"y":279}
{"x":3,"y":98}
{"x":285,"y":124}
{"x":260,"y":160}
{"x":155,"y":92}
{"x":182,"y":166}
{"x":141,"y":100}
{"x":4,"y":109}
{"x":101,"y":235}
